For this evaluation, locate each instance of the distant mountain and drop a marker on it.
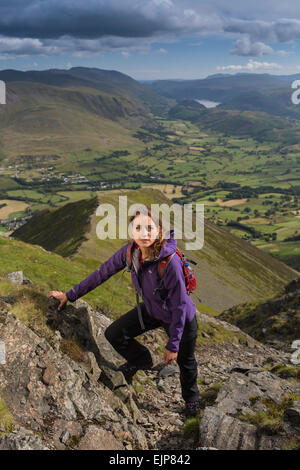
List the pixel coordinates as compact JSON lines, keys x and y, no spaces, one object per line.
{"x":108,"y":81}
{"x":243,"y":91}
{"x":218,"y":88}
{"x":218,"y":75}
{"x":275,"y":101}
{"x":147,"y":82}
{"x":231,"y":121}
{"x":47,"y":119}
{"x":59,"y":111}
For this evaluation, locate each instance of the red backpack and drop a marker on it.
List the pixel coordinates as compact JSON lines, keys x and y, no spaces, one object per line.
{"x":188,"y":272}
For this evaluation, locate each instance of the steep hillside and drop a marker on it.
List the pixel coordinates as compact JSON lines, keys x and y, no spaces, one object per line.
{"x":240,"y":119}
{"x":189,"y":110}
{"x":41,"y":119}
{"x":242,"y":91}
{"x":118,"y":83}
{"x":110,"y":82}
{"x":229,"y":270}
{"x":72,"y":218}
{"x":275,"y":101}
{"x":277,"y":320}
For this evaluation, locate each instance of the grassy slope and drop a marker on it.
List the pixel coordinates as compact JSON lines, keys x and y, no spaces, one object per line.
{"x":111,"y":82}
{"x":52,"y":228}
{"x":246,"y":122}
{"x":117,"y":83}
{"x":50,"y":271}
{"x":59,"y":111}
{"x":252,"y":92}
{"x":45,"y":119}
{"x":274,"y":101}
{"x":229,"y":269}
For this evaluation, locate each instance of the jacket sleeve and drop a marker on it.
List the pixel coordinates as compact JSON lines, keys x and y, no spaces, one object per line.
{"x":176,"y":301}
{"x":111,"y":266}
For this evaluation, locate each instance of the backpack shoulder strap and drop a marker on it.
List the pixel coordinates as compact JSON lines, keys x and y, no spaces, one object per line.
{"x":162,"y":265}
{"x":129,"y":255}
{"x":179,"y":252}
{"x":132,"y":255}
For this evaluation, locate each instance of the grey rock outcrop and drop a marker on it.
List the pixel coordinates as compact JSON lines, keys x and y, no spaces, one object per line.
{"x":40,"y":385}
{"x":227,"y":433}
{"x":60,"y":401}
{"x":245,"y":395}
{"x":87,"y":327}
{"x":292,"y":414}
{"x":18,"y":278}
{"x":22,"y":440}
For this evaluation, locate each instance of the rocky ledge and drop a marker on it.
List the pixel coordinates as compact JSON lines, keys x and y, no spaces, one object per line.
{"x":56,"y":397}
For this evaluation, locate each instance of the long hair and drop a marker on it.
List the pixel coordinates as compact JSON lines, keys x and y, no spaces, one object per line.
{"x":153,"y":250}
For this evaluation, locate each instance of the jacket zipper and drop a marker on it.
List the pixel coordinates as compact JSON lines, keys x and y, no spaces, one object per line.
{"x":138,"y":275}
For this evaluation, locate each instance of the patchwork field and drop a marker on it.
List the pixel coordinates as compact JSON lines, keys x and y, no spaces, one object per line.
{"x":250,"y":187}
{"x":11,"y":207}
{"x":231,"y":202}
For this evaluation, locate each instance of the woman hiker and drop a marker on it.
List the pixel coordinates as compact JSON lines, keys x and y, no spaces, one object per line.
{"x":176,"y":313}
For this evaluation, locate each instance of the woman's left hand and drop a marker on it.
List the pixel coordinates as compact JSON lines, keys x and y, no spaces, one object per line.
{"x":170,"y":356}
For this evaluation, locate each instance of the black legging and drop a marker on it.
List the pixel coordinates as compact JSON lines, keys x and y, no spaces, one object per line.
{"x":121,"y":334}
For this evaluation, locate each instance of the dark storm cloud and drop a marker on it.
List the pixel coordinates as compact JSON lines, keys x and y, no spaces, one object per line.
{"x":256,"y":34}
{"x":97,"y":18}
{"x":78,"y":27}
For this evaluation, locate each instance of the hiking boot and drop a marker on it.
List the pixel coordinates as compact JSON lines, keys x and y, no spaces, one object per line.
{"x":192,"y":409}
{"x":128,"y":370}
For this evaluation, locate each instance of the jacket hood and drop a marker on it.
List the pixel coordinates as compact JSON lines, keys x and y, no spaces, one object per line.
{"x":169,"y":247}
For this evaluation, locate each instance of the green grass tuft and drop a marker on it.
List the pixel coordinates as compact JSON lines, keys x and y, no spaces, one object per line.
{"x":6,"y":418}
{"x":270,"y":421}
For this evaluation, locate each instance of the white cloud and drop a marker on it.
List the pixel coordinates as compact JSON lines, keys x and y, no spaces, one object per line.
{"x":161,"y":51}
{"x":68,"y":45}
{"x":252,"y":65}
{"x":163,"y":2}
{"x":282,"y":53}
{"x":244,"y":47}
{"x":19,"y":46}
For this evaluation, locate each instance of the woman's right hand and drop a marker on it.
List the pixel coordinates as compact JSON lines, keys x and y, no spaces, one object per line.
{"x":59,"y":296}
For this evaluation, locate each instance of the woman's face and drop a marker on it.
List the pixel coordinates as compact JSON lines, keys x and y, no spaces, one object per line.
{"x":144,"y":231}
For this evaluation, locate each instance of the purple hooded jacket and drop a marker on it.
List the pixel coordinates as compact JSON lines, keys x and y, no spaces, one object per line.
{"x":174,"y":310}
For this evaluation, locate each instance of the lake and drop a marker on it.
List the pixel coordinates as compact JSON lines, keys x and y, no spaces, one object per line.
{"x":208,"y":103}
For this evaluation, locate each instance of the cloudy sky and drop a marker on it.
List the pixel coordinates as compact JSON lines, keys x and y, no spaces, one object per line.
{"x":152,"y":39}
